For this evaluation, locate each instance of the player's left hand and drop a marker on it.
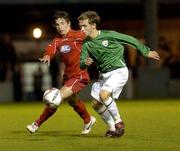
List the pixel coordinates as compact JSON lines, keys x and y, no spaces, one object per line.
{"x":154,"y":55}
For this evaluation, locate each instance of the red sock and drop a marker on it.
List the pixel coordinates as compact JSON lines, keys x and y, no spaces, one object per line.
{"x":82,"y":111}
{"x":48,"y":112}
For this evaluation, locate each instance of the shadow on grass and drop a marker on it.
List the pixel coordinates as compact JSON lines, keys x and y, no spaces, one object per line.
{"x":67,"y":134}
{"x":57,"y":134}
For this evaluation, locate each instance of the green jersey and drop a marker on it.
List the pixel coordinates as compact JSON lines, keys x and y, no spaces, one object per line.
{"x":107,"y":50}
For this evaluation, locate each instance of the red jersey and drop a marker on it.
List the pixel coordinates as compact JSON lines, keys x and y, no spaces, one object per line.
{"x":69,"y":48}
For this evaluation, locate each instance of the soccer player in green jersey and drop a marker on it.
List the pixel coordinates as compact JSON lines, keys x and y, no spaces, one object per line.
{"x":105,"y":48}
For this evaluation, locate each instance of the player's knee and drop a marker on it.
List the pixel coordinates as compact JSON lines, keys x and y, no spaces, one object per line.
{"x":104,"y":95}
{"x":52,"y":106}
{"x":95,"y":104}
{"x":72,"y":102}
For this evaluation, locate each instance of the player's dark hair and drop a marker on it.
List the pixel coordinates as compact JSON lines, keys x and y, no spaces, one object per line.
{"x":92,"y":17}
{"x":61,"y":14}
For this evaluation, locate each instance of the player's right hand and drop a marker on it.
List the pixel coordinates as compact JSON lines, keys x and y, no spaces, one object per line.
{"x":88,"y":61}
{"x":45,"y":59}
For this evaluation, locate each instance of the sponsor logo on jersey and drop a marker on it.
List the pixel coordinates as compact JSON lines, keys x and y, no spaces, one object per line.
{"x":105,"y":43}
{"x":65,"y":49}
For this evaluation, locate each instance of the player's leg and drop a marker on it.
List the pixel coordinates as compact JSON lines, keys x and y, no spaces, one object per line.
{"x":69,"y":92}
{"x":106,"y":116}
{"x":47,"y":113}
{"x":111,"y":89}
{"x":113,"y":110}
{"x":101,"y":109}
{"x":79,"y":108}
{"x":110,"y":105}
{"x":74,"y":86}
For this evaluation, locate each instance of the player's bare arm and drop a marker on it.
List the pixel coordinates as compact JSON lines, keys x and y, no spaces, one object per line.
{"x":153,"y":55}
{"x":45,"y":59}
{"x":88,"y":61}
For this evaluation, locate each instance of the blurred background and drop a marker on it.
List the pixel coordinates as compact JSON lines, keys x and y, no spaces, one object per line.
{"x":26,"y":29}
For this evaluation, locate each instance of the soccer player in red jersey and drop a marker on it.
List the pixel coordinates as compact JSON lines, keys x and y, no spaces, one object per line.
{"x":68,"y":42}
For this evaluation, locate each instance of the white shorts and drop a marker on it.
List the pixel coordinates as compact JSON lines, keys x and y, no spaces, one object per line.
{"x":112,"y":81}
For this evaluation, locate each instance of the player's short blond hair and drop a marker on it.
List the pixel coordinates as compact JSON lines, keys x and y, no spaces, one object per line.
{"x":92,"y":17}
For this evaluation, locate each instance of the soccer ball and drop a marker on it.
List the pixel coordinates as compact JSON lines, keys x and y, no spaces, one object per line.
{"x":52,"y":97}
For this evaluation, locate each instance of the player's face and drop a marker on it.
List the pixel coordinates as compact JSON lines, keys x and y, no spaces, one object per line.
{"x":62,"y":26}
{"x":86,"y":27}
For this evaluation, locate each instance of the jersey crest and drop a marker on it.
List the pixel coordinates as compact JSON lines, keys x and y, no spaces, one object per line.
{"x":65,"y":49}
{"x":105,"y":43}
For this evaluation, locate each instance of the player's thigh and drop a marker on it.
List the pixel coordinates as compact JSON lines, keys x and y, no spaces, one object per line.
{"x":116,"y":82}
{"x":76,"y":85}
{"x":95,"y":90}
{"x":66,"y":92}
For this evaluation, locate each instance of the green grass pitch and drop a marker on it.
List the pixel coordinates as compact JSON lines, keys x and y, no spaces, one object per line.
{"x":151,"y":125}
